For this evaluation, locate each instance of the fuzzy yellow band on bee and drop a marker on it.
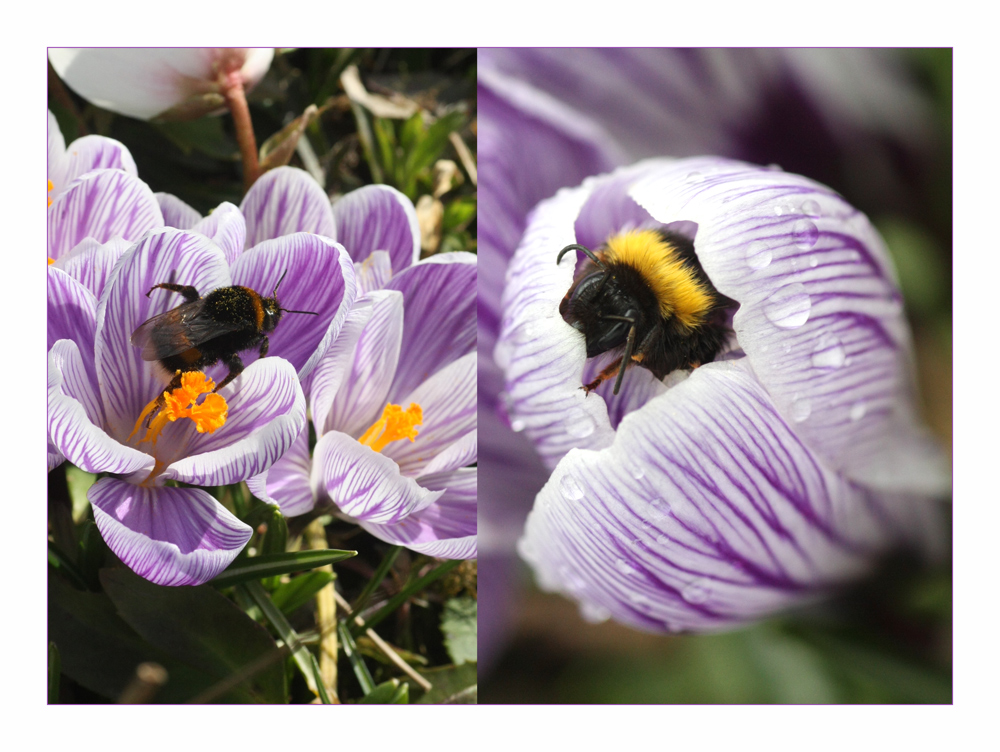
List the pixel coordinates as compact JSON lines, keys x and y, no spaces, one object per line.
{"x":676,"y":286}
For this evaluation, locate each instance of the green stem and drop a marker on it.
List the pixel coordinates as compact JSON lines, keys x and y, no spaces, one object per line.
{"x":374,"y":582}
{"x":404,"y":595}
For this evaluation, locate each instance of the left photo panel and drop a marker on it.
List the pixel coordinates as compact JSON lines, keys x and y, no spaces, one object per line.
{"x":261,"y":356}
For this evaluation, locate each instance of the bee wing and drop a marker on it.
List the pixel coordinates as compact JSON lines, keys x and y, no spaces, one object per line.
{"x":177,"y":330}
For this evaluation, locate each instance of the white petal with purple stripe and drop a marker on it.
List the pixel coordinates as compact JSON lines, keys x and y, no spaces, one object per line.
{"x":378,"y":218}
{"x":284,"y":201}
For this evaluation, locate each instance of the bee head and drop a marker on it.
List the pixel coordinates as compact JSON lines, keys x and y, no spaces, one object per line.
{"x":272,"y":310}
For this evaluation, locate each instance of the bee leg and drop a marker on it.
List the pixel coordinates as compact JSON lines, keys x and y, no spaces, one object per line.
{"x":235,"y":369}
{"x":603,"y":376}
{"x":264,"y":346}
{"x":190,"y":293}
{"x":161,"y":400}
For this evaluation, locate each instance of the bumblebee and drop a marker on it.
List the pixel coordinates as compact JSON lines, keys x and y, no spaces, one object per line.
{"x":204,"y":330}
{"x":644,"y":294}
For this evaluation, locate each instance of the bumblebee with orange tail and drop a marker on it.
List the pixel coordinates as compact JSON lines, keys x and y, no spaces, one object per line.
{"x":644,"y":294}
{"x":204,"y":330}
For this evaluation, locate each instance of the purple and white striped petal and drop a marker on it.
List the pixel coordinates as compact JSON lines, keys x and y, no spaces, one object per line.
{"x":821,"y":317}
{"x":91,"y":263}
{"x":127,"y":381}
{"x":364,"y":484}
{"x":170,"y":536}
{"x":446,"y":529}
{"x":707,"y":510}
{"x":284,"y":201}
{"x":329,"y":374}
{"x":267,"y":410}
{"x":72,"y":315}
{"x":361,"y":396}
{"x":378,"y":218}
{"x":460,"y":454}
{"x":147,"y":82}
{"x":448,"y":401}
{"x":177,"y":213}
{"x":226,"y":226}
{"x":102,"y":204}
{"x":287,"y":481}
{"x":439,"y":319}
{"x":320,"y":279}
{"x":73,"y":407}
{"x":374,"y":272}
{"x":83,"y":155}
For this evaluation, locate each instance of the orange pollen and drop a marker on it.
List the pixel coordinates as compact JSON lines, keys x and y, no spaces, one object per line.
{"x":50,"y":188}
{"x":51,"y":261}
{"x":182,"y":403}
{"x":394,"y":424}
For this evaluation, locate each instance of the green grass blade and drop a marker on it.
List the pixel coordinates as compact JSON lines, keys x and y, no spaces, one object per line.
{"x":303,"y":658}
{"x":55,"y":668}
{"x":290,"y":596}
{"x":374,"y":582}
{"x":271,"y":565}
{"x":357,"y":662}
{"x":411,"y":589}
{"x":59,"y":562}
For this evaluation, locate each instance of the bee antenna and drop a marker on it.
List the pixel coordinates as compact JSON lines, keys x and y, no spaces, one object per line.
{"x":279,"y":282}
{"x":311,"y":313}
{"x":626,"y":359}
{"x":575,"y":247}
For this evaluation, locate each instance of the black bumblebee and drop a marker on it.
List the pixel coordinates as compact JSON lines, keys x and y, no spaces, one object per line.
{"x":645,"y":292}
{"x":201,"y":332}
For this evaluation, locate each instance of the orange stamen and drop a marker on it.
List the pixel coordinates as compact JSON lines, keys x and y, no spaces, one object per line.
{"x":50,"y":197}
{"x":182,"y":403}
{"x":394,"y":424}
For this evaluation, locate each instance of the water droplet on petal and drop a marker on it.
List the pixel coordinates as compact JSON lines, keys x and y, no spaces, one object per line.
{"x":672,"y":626}
{"x":810,"y":208}
{"x":694,"y":177}
{"x":570,"y":488}
{"x":774,"y":167}
{"x":525,"y":332}
{"x":806,"y":233}
{"x":789,"y":306}
{"x":626,"y":567}
{"x":858,"y":410}
{"x":594,"y":613}
{"x":517,"y":425}
{"x":829,"y":353}
{"x":580,"y":425}
{"x":695,"y":591}
{"x":635,"y":469}
{"x":758,"y":255}
{"x":801,"y":409}
{"x":813,"y":262}
{"x":782,"y":210}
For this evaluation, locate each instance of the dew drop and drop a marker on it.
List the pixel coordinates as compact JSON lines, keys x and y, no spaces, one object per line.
{"x":525,"y":332}
{"x":806,"y":233}
{"x":594,"y":613}
{"x":774,"y":167}
{"x":571,"y":488}
{"x":813,"y":262}
{"x":626,"y":567}
{"x":758,"y":255}
{"x":635,"y":470}
{"x":801,"y":409}
{"x":517,"y":425}
{"x":829,"y":353}
{"x":695,"y":592}
{"x":810,"y":208}
{"x":694,"y":177}
{"x":858,"y":410}
{"x":789,"y":306}
{"x":672,"y":626}
{"x":782,"y":210}
{"x":580,"y":425}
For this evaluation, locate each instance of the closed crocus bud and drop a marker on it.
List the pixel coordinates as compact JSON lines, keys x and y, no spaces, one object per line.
{"x":166,"y":83}
{"x":726,"y":490}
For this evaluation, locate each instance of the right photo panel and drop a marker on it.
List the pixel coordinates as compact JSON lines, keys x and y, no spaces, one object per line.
{"x":715,"y":375}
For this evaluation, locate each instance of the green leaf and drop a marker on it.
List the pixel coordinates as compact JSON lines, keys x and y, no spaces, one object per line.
{"x":429,"y":148}
{"x":451,"y":685}
{"x":54,"y":671}
{"x":100,"y":651}
{"x":458,"y":623}
{"x":79,"y":482}
{"x":290,"y":596}
{"x":357,"y":662}
{"x":275,"y":542}
{"x":458,"y":213}
{"x":388,"y":693}
{"x":258,"y":567}
{"x":91,"y":555}
{"x":305,"y":660}
{"x":200,"y":627}
{"x":383,"y":568}
{"x":61,"y":563}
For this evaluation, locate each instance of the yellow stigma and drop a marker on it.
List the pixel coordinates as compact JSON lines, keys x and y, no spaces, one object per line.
{"x":182,"y":403}
{"x":394,"y":424}
{"x":50,"y":197}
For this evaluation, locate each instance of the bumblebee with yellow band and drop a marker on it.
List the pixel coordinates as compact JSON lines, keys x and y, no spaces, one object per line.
{"x":644,"y":293}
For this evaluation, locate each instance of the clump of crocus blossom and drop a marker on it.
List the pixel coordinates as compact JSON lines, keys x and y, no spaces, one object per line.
{"x":757,"y":481}
{"x":99,"y":386}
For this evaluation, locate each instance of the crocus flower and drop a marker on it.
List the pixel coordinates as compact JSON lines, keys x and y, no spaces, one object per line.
{"x":550,"y":117}
{"x":757,"y":481}
{"x":149,"y":83}
{"x":95,"y":195}
{"x":181,"y":535}
{"x":393,"y":400}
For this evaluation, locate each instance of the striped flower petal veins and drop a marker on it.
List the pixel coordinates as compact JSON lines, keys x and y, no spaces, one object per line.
{"x":759,"y":480}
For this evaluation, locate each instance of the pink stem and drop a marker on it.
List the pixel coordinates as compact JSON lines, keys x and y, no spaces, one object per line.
{"x":232,"y":89}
